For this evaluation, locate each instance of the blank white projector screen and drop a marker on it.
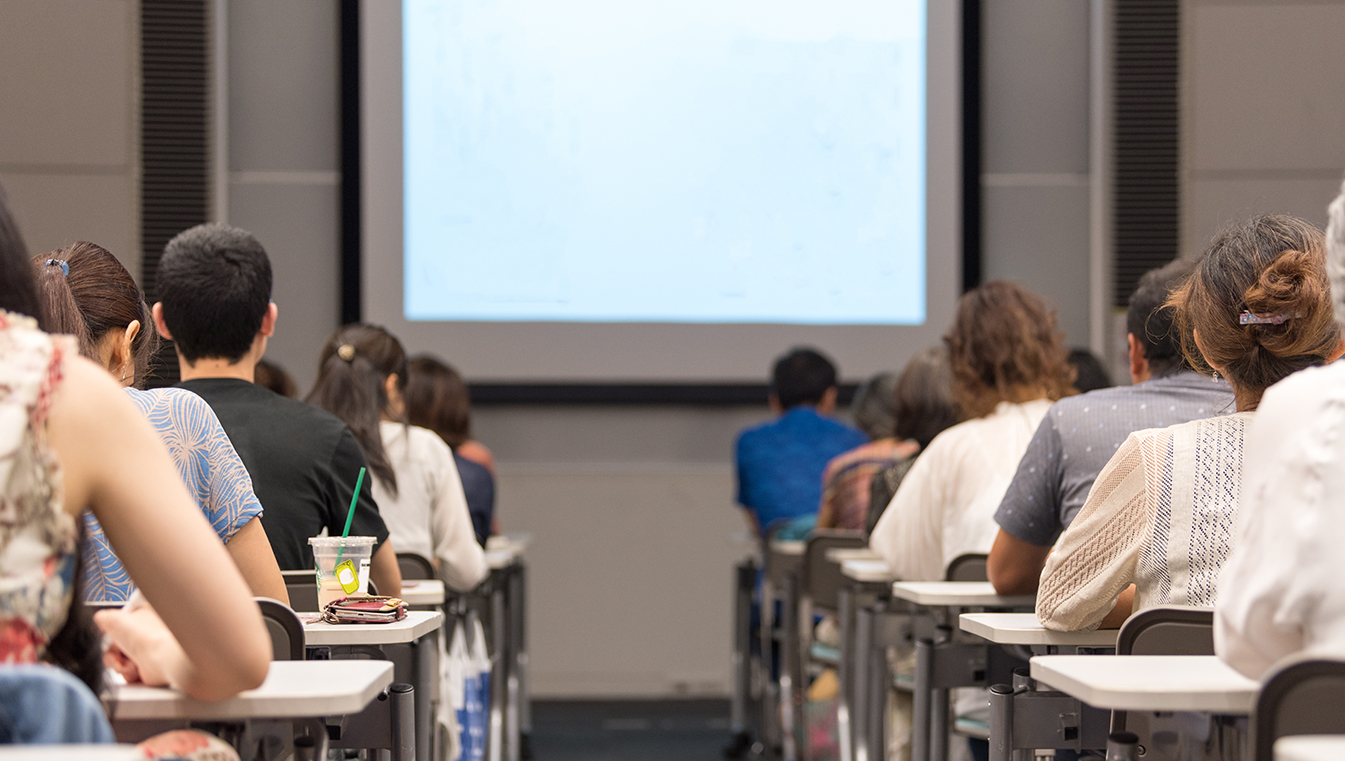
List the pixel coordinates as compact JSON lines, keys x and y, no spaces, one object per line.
{"x":659,"y":191}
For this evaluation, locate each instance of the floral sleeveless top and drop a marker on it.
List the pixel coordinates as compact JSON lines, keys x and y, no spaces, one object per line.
{"x":37,"y":536}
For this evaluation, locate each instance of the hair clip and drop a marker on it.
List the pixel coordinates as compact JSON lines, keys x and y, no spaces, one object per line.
{"x":65,"y":268}
{"x":346,"y":352}
{"x":1247,"y":318}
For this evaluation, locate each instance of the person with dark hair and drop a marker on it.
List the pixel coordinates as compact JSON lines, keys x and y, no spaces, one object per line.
{"x":71,"y":441}
{"x":1007,"y":361}
{"x":437,"y":398}
{"x":1280,"y":592}
{"x":924,"y":408}
{"x":1089,"y":374}
{"x":269,"y":375}
{"x":780,"y":463}
{"x":1256,"y":309}
{"x":85,"y":292}
{"x":1080,"y":434}
{"x":848,"y":476}
{"x":361,"y":379}
{"x":214,"y":283}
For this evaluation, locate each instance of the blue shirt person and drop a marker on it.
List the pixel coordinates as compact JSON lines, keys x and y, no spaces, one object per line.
{"x":780,"y":463}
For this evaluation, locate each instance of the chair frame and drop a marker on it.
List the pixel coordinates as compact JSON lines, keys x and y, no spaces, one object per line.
{"x":284,"y":616}
{"x":964,"y":567}
{"x":1150,"y":621}
{"x":421,"y":566}
{"x":1288,"y":676}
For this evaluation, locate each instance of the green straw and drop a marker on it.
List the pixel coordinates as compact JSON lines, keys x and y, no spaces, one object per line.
{"x":350,"y":515}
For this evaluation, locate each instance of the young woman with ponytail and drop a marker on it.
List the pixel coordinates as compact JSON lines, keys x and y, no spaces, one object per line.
{"x":362,"y":379}
{"x":1256,"y":309}
{"x":84,"y":292}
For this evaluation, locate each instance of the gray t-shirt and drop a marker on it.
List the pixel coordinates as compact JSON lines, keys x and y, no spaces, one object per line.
{"x":1081,"y":433}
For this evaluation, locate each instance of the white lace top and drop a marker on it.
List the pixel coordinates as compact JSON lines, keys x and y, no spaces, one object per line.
{"x":1160,"y":516}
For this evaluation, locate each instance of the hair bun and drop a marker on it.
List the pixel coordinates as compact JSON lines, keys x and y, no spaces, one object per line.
{"x":1288,"y":300}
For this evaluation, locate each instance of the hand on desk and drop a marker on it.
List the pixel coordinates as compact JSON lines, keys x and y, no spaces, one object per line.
{"x":140,"y":648}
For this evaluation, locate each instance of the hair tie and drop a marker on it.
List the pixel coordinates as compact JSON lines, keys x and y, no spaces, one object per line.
{"x":65,"y":268}
{"x":1247,"y":318}
{"x":346,"y":352}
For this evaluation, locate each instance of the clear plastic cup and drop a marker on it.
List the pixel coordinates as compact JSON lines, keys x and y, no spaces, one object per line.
{"x":331,"y":551}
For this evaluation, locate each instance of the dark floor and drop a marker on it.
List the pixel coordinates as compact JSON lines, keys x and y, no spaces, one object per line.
{"x":630,"y":730}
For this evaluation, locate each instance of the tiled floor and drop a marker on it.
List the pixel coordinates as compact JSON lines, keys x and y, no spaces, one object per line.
{"x":631,"y":730}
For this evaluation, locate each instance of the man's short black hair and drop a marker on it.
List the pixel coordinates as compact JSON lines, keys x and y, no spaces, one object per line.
{"x":802,"y":377}
{"x":1152,"y":323}
{"x":215,"y":285}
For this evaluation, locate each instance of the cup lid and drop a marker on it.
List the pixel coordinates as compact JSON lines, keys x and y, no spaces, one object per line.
{"x":336,"y":541}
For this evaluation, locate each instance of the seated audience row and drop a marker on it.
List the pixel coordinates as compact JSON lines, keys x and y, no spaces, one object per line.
{"x":73,"y":442}
{"x":1256,"y":309}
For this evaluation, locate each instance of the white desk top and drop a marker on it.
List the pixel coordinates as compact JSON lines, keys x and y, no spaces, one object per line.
{"x":71,"y":753}
{"x":1149,"y":682}
{"x":423,"y":592}
{"x":417,"y":624}
{"x":292,"y":690}
{"x":843,"y":554}
{"x":1024,"y":629}
{"x":502,"y":557}
{"x":788,"y":548}
{"x":1309,"y":747}
{"x":963,"y":594}
{"x":517,"y":541}
{"x":875,"y":570}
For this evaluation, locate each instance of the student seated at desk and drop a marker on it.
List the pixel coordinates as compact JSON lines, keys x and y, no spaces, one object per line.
{"x":1280,"y":592}
{"x":848,"y":479}
{"x":437,"y":398}
{"x":924,"y":407}
{"x":1256,"y":309}
{"x":215,"y":286}
{"x":1008,"y":365}
{"x":780,"y":463}
{"x":361,"y":377}
{"x":1080,"y":434}
{"x":86,"y":293}
{"x":71,"y":441}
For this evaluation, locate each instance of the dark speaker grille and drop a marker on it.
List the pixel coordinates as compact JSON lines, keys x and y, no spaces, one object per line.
{"x":175,"y":136}
{"x":1147,"y":191}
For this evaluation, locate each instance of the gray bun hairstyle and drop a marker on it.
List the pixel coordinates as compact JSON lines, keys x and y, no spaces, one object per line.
{"x":1335,"y":254}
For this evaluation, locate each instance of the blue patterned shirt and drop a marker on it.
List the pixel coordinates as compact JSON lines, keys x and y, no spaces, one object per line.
{"x":209,"y":466}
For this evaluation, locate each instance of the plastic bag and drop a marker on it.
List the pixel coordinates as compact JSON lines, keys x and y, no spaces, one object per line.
{"x":466,"y":679}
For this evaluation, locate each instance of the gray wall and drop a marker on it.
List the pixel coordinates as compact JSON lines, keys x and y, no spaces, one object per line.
{"x":1264,"y":120}
{"x":69,"y":122}
{"x":632,"y":508}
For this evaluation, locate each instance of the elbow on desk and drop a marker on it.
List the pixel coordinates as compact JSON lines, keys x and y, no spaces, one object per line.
{"x":1011,"y":579}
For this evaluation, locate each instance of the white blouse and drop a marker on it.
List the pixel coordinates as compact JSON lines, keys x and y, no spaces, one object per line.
{"x":1160,"y":515}
{"x":945,"y":507}
{"x":1281,"y":591}
{"x":428,"y":514}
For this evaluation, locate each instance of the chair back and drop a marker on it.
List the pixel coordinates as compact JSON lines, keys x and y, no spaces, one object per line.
{"x":1303,"y":697}
{"x":777,"y":564}
{"x":820,"y":579}
{"x":1164,"y":630}
{"x":415,"y":566}
{"x":285,"y":628}
{"x":968,"y":567}
{"x":303,"y":589}
{"x":1168,"y":630}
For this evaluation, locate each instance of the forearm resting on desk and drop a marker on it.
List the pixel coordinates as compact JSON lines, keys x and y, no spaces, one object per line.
{"x":384,"y":572}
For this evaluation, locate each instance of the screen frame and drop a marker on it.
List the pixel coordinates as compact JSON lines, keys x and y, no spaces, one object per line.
{"x":372,"y":216}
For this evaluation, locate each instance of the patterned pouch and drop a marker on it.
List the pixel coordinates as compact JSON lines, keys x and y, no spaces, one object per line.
{"x":364,"y":609}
